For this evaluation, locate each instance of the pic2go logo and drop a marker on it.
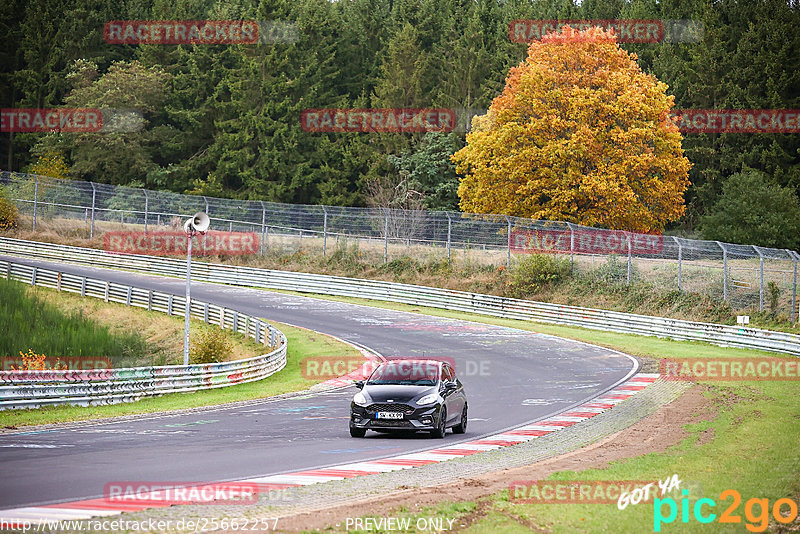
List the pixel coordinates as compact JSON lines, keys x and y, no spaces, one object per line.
{"x":758,"y":522}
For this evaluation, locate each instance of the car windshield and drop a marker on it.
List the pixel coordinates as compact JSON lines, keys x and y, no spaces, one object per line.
{"x":406,"y":373}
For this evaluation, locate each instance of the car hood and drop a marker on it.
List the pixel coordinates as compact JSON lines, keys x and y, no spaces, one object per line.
{"x":398,"y":394}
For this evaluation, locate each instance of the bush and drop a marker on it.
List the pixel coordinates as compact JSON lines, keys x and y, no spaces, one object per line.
{"x":536,"y":272}
{"x":9,"y":217}
{"x":774,"y":295}
{"x":212,"y":347}
{"x":614,"y":271}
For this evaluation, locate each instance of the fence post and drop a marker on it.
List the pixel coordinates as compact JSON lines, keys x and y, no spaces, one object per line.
{"x":35,"y":198}
{"x":571,"y":248}
{"x":94,"y":194}
{"x":386,"y":235}
{"x":33,"y":276}
{"x":724,"y":271}
{"x":146,"y":199}
{"x":680,"y":263}
{"x":263,"y":227}
{"x":508,"y":244}
{"x":792,"y":255}
{"x":449,"y":233}
{"x":760,"y":278}
{"x":324,"y":231}
{"x":628,"y":235}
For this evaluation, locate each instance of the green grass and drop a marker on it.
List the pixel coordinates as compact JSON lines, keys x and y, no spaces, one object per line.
{"x":302,"y":343}
{"x":28,"y":322}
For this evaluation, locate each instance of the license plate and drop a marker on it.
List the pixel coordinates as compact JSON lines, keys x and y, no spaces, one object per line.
{"x":389,"y":415}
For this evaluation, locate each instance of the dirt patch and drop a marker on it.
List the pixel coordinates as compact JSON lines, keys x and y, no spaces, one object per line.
{"x":652,"y":434}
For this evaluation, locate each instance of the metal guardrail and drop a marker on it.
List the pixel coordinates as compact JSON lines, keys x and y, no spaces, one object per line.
{"x":31,"y":389}
{"x":722,"y":335}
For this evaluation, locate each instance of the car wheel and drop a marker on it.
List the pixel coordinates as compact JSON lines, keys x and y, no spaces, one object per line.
{"x":358,"y":432}
{"x":462,"y":426}
{"x":441,"y":429}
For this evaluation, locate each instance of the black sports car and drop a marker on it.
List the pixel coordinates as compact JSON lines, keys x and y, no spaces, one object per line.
{"x":409,"y":395}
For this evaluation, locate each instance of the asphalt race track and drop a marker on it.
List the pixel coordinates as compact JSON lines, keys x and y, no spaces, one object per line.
{"x":511,"y":377}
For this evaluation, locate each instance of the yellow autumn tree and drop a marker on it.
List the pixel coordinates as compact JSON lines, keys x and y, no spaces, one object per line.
{"x":51,"y":164}
{"x":579,"y":134}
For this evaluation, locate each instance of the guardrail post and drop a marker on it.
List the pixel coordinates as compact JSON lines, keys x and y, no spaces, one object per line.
{"x":235,"y":321}
{"x":449,"y":232}
{"x":35,"y":198}
{"x":680,"y":262}
{"x":271,"y":337}
{"x":258,"y":331}
{"x":146,"y":202}
{"x":33,"y":276}
{"x":324,"y":231}
{"x":94,"y":195}
{"x":169,"y":305}
{"x":105,"y":295}
{"x":508,"y":244}
{"x":386,"y":236}
{"x":263,"y":226}
{"x":8,"y":270}
{"x":83,"y":286}
{"x":760,"y":279}
{"x":150,"y":300}
{"x":205,"y":312}
{"x":58,"y":282}
{"x":724,"y":271}
{"x":128,"y":296}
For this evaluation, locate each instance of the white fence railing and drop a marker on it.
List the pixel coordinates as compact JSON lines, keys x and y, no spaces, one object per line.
{"x":723,"y":335}
{"x":30,"y":389}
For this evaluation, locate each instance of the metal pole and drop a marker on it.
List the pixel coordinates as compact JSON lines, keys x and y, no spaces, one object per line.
{"x":449,"y":232}
{"x":263,"y":227}
{"x":35,"y":199}
{"x":794,"y":283}
{"x":94,"y":194}
{"x":508,"y":244}
{"x":188,"y":305}
{"x":760,"y":279}
{"x":324,"y":232}
{"x":724,"y":271}
{"x":680,"y":263}
{"x":571,"y":248}
{"x":386,"y":236}
{"x":146,"y":201}
{"x":629,"y":257}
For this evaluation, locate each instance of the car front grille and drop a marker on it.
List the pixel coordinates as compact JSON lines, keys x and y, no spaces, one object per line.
{"x":389,"y":423}
{"x":390,"y":407}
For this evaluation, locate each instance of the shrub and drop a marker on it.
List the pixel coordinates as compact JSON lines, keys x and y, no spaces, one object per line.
{"x":536,"y":272}
{"x":213,"y":346}
{"x":774,"y":295}
{"x":614,"y":271}
{"x":9,"y":217}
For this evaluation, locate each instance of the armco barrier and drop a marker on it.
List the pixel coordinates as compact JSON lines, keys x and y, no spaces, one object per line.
{"x":31,"y":389}
{"x":723,"y":335}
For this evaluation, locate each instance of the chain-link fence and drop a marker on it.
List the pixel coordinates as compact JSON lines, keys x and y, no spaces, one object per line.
{"x":746,"y":276}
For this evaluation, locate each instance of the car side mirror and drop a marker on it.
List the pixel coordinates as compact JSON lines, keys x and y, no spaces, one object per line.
{"x":449,"y":386}
{"x":359,"y":384}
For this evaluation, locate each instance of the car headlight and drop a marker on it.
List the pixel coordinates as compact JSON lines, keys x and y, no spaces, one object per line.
{"x":428,"y":399}
{"x":360,"y":399}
